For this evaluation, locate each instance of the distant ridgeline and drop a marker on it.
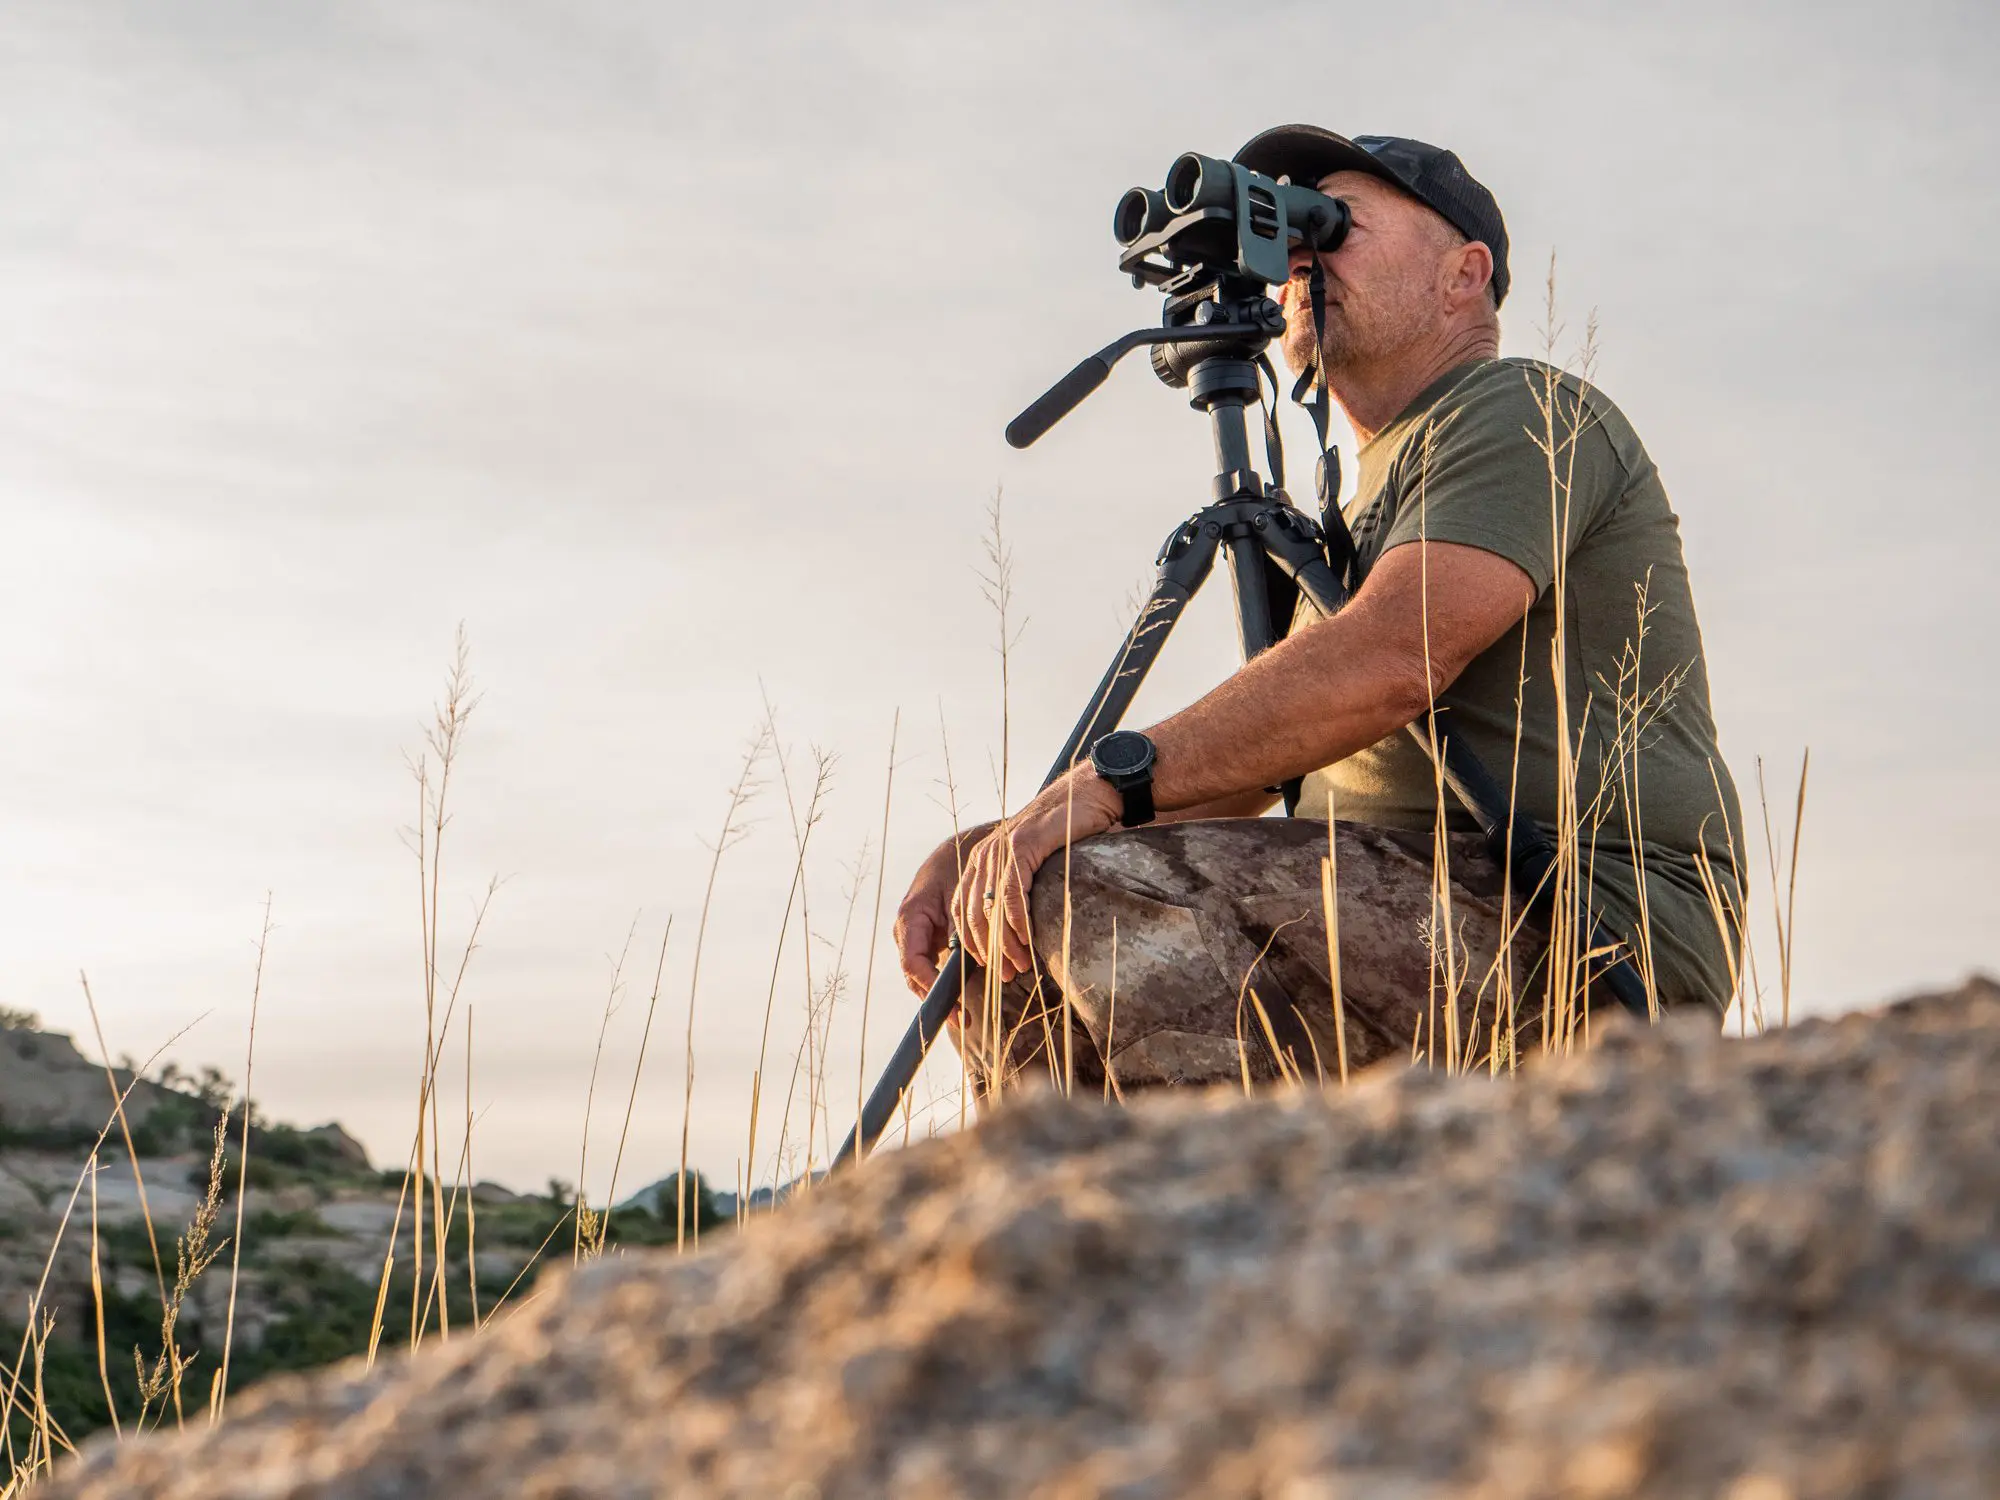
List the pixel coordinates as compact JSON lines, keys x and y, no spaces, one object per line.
{"x":316,"y":1229}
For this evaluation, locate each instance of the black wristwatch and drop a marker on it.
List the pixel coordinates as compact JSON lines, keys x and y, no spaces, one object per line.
{"x":1124,"y":758}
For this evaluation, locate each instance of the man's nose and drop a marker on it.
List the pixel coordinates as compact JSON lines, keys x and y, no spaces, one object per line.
{"x":1300,"y":259}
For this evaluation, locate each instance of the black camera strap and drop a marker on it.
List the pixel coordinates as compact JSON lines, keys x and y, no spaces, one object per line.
{"x":1340,"y":549}
{"x":1274,"y":443}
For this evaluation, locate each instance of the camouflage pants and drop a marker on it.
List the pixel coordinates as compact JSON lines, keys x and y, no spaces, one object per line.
{"x":1197,"y":953}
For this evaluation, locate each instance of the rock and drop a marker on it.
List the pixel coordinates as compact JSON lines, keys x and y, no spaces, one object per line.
{"x":339,"y":1144}
{"x":498,"y":1268}
{"x":49,"y":1088}
{"x":20,"y":1200}
{"x":1679,"y":1266}
{"x":357,"y":1257}
{"x":299,"y":1198}
{"x":50,"y":1175}
{"x":167,"y":1195}
{"x":367,"y":1217}
{"x":647,"y":1199}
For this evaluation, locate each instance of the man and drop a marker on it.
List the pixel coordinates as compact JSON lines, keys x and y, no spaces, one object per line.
{"x":1520,"y":570}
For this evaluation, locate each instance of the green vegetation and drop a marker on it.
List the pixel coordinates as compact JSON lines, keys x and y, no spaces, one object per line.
{"x":701,"y":1216}
{"x":174,"y":1123}
{"x":45,"y":1138}
{"x":283,"y":1156}
{"x":71,"y":1387}
{"x":323,"y":1314}
{"x":312,"y":1311}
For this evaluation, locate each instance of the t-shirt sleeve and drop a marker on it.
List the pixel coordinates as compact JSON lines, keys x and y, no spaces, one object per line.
{"x":1479,"y":471}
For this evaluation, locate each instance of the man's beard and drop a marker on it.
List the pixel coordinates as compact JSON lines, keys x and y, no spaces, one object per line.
{"x":1297,"y":343}
{"x":1351,"y":337}
{"x":1337,"y":344}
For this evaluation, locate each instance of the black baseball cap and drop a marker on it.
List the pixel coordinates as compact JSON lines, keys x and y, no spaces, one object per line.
{"x":1432,"y":175}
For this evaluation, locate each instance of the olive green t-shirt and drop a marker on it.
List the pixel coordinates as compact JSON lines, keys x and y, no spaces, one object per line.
{"x":1519,"y":459}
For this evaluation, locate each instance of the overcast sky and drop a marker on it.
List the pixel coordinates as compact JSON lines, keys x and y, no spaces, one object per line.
{"x":668,"y":348}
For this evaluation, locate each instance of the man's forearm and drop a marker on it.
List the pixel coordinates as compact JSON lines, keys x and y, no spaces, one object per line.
{"x":1249,"y":804}
{"x":1309,"y":701}
{"x":1338,"y":686}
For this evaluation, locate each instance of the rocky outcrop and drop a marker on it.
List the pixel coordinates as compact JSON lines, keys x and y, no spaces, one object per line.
{"x":1679,"y":1266}
{"x":50,"y":1091}
{"x":93,"y":1242}
{"x":55,"y":1107}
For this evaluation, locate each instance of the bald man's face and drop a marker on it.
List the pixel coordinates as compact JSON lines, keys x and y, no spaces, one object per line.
{"x":1385,"y":285}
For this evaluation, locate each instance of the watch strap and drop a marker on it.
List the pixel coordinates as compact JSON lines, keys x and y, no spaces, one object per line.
{"x":1138,"y":795}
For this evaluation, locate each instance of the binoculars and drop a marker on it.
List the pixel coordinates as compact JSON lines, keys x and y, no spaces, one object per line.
{"x":1219,"y":216}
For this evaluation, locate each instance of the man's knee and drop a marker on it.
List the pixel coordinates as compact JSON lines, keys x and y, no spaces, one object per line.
{"x":1078,"y":885}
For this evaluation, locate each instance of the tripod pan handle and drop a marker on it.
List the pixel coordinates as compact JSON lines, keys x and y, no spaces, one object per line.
{"x":1058,"y":401}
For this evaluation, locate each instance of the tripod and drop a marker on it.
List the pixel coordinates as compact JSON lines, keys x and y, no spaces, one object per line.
{"x":1276,"y":553}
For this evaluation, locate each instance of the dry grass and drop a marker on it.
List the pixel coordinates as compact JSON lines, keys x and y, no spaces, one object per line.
{"x":22,"y":1390}
{"x":631,"y":1097}
{"x":220,"y":1393}
{"x":875,"y":919}
{"x":1635,"y":704}
{"x":732,"y":833}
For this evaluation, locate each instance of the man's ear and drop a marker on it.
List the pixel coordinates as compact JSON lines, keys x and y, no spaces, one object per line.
{"x":1469,"y":272}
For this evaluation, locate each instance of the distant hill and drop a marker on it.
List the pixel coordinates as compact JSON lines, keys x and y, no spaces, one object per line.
{"x":317,"y":1230}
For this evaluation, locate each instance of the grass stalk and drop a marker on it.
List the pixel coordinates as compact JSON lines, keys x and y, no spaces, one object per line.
{"x":638,"y":1067}
{"x":802,"y":831}
{"x":585,"y":1220}
{"x":12,"y":1380}
{"x":97,"y":1309}
{"x":732,"y":831}
{"x":242,"y":1165}
{"x":472,"y":1181}
{"x":125,"y":1133}
{"x":875,"y":928}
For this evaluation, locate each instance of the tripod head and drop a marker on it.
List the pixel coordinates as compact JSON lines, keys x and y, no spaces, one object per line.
{"x":1226,"y":301}
{"x":1234,"y":332}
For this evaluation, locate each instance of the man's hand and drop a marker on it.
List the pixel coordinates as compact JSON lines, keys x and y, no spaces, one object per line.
{"x":1324,"y":692}
{"x":1003,"y":865}
{"x":923,"y":921}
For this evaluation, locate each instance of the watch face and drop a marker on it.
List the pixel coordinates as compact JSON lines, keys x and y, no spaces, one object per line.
{"x":1122,"y":753}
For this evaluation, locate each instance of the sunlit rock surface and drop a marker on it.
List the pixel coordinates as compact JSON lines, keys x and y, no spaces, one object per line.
{"x":1681,"y":1266}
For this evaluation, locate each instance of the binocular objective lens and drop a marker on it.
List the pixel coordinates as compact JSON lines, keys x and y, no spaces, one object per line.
{"x":1184,"y":183}
{"x":1128,"y":221}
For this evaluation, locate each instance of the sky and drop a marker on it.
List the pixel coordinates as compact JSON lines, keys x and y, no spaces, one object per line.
{"x":667,"y":349}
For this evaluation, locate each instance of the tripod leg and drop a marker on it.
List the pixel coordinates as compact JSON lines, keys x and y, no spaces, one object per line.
{"x":1299,"y":555}
{"x":1257,"y":623}
{"x":947,"y":993}
{"x":1254,"y":625}
{"x":1184,"y":562}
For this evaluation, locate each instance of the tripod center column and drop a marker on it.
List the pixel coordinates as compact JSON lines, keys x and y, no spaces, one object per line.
{"x":1224,"y":388}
